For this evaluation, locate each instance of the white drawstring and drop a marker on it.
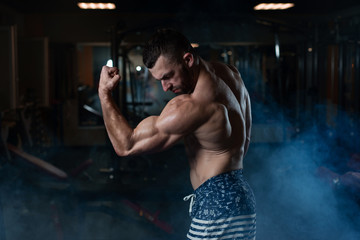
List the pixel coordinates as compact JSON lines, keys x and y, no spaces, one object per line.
{"x":192,"y":196}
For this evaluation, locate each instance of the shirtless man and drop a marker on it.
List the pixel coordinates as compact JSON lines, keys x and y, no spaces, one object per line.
{"x":212,"y":114}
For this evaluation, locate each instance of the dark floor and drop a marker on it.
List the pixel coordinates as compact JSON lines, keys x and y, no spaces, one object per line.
{"x":292,"y":203}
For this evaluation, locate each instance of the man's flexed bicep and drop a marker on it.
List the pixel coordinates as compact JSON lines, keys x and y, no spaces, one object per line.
{"x":149,"y":137}
{"x":156,"y":133}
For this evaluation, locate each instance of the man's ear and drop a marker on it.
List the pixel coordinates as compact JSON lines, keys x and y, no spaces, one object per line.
{"x":188,"y":59}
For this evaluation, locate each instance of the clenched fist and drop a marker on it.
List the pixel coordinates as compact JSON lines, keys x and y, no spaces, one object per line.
{"x":109,"y":79}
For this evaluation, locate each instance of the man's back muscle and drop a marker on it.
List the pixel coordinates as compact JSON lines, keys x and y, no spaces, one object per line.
{"x":218,"y":145}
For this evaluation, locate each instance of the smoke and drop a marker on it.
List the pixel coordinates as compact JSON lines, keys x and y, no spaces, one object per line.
{"x":93,"y":206}
{"x":293,"y":201}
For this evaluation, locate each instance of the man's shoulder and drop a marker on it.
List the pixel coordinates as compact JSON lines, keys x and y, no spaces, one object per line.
{"x":184,"y":102}
{"x":184,"y":114}
{"x":190,"y":105}
{"x":178,"y":101}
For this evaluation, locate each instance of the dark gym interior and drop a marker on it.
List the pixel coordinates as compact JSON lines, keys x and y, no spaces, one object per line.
{"x":60,"y":178}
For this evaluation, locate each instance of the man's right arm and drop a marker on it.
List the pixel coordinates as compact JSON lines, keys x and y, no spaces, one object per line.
{"x":155,"y":133}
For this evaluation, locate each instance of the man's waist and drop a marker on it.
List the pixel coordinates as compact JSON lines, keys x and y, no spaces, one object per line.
{"x":198,"y":179}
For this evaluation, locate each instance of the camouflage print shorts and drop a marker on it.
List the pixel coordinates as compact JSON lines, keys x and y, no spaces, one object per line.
{"x":223,"y":208}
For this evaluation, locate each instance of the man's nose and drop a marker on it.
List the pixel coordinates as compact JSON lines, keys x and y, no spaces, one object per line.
{"x":165,"y":85}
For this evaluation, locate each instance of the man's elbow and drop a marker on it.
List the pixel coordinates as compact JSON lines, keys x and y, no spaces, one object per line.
{"x":121,"y":152}
{"x":122,"y":148}
{"x":126,"y":151}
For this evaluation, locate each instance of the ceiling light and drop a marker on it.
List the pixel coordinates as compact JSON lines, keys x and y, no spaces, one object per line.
{"x":92,"y":5}
{"x":273,"y":6}
{"x":195,"y":45}
{"x":109,"y":63}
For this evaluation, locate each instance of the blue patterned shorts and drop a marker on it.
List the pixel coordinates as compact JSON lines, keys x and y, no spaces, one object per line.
{"x":223,"y":208}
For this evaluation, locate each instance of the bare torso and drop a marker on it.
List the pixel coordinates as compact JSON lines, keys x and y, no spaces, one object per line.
{"x":219,"y":144}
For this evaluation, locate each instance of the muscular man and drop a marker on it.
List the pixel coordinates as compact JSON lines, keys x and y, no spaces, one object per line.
{"x":212,"y":114}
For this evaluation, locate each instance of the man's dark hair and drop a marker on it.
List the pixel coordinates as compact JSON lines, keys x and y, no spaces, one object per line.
{"x":167,"y":42}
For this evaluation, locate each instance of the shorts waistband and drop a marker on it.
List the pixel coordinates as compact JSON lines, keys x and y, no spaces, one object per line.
{"x":234,"y":174}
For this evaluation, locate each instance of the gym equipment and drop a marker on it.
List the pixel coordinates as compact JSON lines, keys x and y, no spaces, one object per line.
{"x":38,"y":162}
{"x":153,"y":218}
